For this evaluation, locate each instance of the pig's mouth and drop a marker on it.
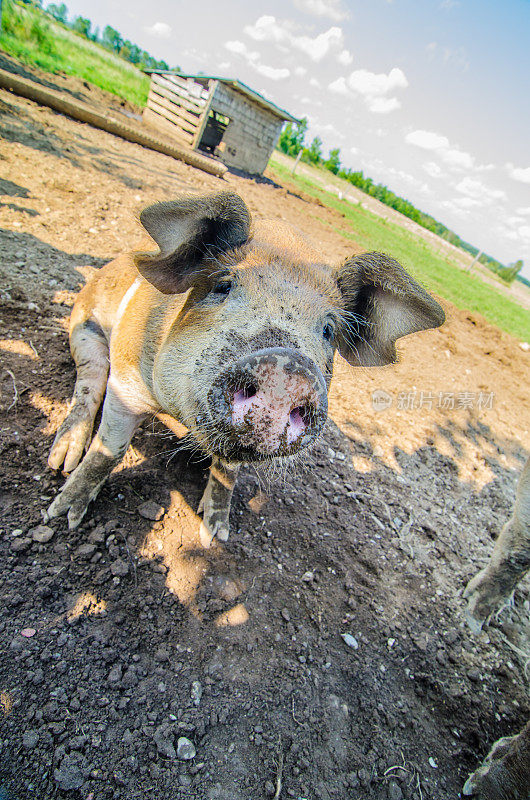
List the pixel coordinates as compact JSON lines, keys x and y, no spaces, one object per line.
{"x":270,"y":404}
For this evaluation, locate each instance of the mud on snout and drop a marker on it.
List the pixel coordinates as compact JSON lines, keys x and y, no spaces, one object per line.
{"x":270,"y":403}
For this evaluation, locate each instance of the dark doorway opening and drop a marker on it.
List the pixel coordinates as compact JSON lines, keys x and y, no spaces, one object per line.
{"x":213,"y":132}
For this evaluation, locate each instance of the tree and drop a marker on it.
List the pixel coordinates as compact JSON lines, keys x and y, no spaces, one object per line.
{"x":111,"y":39}
{"x":510,"y":272}
{"x":134,"y":53}
{"x":60,"y":13}
{"x":292,"y":137}
{"x":125,"y":51}
{"x":82,"y":25}
{"x":313,"y":154}
{"x":333,"y":161}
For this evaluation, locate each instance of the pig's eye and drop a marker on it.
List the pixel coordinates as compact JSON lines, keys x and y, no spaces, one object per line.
{"x":328,"y":331}
{"x":222,"y":288}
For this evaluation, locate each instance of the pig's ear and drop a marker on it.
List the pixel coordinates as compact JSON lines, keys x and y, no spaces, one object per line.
{"x":381,"y":303}
{"x":189,"y":232}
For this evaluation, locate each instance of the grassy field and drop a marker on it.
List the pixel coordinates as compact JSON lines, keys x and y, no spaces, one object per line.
{"x":37,"y":40}
{"x":437,"y":273}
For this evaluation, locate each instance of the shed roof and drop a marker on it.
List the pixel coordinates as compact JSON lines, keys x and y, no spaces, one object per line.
{"x":235,"y":84}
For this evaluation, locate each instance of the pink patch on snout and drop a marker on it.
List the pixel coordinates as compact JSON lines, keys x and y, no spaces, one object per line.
{"x":272,"y":409}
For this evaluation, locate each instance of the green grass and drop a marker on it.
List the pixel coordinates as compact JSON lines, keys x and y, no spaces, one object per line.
{"x":37,"y":40}
{"x":436,"y":272}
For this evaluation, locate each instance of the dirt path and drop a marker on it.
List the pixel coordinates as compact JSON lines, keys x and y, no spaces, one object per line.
{"x":140,"y":637}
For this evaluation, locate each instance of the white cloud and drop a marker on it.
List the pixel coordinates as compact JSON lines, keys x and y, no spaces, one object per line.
{"x":466,"y":202}
{"x":300,"y":71}
{"x":339,"y":86}
{"x":520,"y":235}
{"x":433,"y":169}
{"x":345,"y":58}
{"x":427,"y":140}
{"x":160,"y":29}
{"x":383,"y":105}
{"x":252,"y":57}
{"x":323,"y":8}
{"x":274,"y":73}
{"x":268,"y":29}
{"x":240,"y":48}
{"x":439,"y":144}
{"x":314,"y":83}
{"x":458,"y":158}
{"x":524,"y":212}
{"x":521,"y":174}
{"x":373,"y":87}
{"x":406,"y":177}
{"x":371,"y":84}
{"x":455,"y":207}
{"x":478,"y":190}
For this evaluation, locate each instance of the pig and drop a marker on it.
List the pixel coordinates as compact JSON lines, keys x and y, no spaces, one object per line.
{"x":493,"y":586}
{"x":505,"y":773}
{"x":230,"y":327}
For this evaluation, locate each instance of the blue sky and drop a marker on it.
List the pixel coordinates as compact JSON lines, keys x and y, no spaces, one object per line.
{"x":430,"y":97}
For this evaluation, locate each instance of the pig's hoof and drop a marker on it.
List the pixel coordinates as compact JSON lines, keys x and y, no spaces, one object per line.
{"x":71,"y":440}
{"x":474,"y":624}
{"x":483,"y":782}
{"x":482,"y":600}
{"x":207,"y":534}
{"x":73,"y":502}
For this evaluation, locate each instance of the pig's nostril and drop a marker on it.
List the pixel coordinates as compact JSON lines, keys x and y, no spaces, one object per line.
{"x":245,"y":393}
{"x":299,"y":422}
{"x":304,"y":413}
{"x":299,"y":417}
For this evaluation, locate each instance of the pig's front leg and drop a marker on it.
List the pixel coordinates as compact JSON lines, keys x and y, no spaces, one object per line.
{"x":118,"y":424}
{"x":215,"y":502}
{"x":510,"y":560}
{"x":493,"y":586}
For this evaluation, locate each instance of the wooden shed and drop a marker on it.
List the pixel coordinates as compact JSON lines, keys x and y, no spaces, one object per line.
{"x":219,"y":116}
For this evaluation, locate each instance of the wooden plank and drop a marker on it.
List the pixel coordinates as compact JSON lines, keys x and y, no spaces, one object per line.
{"x":163,"y":124}
{"x":185,"y":94}
{"x":173,"y":118}
{"x":192,"y":119}
{"x":176,"y":98}
{"x":173,"y":108}
{"x":204,"y":119}
{"x":179,"y":99}
{"x":187,"y":83}
{"x":176,"y":88}
{"x":196,"y":102}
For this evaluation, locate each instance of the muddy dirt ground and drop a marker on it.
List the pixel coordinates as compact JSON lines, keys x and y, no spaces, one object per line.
{"x":123,"y":636}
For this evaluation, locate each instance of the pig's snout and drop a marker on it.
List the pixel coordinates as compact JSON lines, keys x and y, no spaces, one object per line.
{"x":272,"y":402}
